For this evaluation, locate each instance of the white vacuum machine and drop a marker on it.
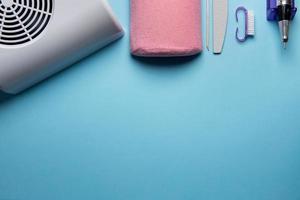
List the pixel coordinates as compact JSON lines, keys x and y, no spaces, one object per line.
{"x":41,"y":37}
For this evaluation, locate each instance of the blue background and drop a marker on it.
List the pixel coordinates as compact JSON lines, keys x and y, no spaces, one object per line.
{"x":115,"y":127}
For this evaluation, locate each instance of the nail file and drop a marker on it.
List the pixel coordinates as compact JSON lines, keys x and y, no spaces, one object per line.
{"x":207,"y":24}
{"x":220,"y":18}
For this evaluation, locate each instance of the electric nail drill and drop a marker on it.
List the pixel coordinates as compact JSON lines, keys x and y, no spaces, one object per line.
{"x":282,"y":11}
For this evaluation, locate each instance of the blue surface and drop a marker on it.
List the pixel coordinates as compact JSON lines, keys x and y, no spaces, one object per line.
{"x":118,"y":128}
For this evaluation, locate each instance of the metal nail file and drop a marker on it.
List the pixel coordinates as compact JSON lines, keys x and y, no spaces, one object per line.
{"x":207,"y":23}
{"x":220,"y":18}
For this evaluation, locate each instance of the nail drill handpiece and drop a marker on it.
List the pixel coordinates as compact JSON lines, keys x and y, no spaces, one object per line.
{"x":282,"y":11}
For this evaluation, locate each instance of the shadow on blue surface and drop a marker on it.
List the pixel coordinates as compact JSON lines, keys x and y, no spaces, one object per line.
{"x":4,"y":97}
{"x":169,"y":62}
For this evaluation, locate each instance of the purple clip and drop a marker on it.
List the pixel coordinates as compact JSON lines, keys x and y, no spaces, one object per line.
{"x":272,"y":10}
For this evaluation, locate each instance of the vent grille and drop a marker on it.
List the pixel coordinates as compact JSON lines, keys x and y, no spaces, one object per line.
{"x":22,"y":21}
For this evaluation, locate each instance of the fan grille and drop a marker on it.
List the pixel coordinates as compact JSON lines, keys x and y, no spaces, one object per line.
{"x":22,"y":21}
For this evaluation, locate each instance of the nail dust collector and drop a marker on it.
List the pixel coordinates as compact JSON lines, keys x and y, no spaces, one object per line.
{"x":41,"y":37}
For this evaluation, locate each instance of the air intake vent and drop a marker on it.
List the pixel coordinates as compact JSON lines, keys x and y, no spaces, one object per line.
{"x":21,"y":21}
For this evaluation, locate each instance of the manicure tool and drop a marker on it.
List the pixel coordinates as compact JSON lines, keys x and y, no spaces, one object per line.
{"x":207,"y":24}
{"x":282,"y":11}
{"x":249,"y":24}
{"x":220,"y":18}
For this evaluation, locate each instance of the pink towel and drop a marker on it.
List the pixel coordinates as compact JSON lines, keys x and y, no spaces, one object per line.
{"x":165,"y":28}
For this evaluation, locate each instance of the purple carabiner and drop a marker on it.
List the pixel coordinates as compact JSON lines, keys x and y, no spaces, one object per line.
{"x":244,"y":10}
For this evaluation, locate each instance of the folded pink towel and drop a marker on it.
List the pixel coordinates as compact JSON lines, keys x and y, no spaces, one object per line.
{"x":165,"y":28}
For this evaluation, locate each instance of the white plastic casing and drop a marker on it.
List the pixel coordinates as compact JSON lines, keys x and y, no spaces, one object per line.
{"x":76,"y":29}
